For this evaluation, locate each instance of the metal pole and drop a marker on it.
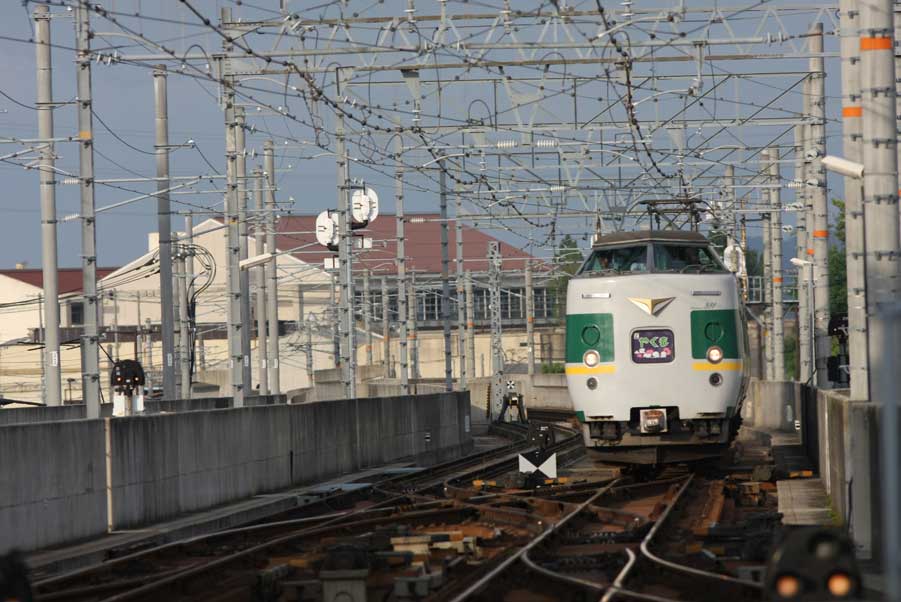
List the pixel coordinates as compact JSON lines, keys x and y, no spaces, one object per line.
{"x":804,"y":368}
{"x":233,"y":243}
{"x":164,"y":230}
{"x":401,"y":262}
{"x":530,"y":318}
{"x":260,"y":279}
{"x":497,"y":351}
{"x":345,"y":252}
{"x":367,"y":314}
{"x":271,"y":270}
{"x":412,"y":309}
{"x":47,"y":175}
{"x":776,"y":230}
{"x":445,"y":283}
{"x":148,"y":355}
{"x":184,"y":357}
{"x":241,"y":167}
{"x":461,"y":298}
{"x":882,"y":259}
{"x":189,"y":291}
{"x":307,"y":330}
{"x":115,"y":300}
{"x":386,"y":330}
{"x":336,"y":323}
{"x":820,"y":230}
{"x":854,"y":228}
{"x":470,"y":329}
{"x":90,"y":344}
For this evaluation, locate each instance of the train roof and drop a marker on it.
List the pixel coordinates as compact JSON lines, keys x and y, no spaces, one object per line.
{"x":640,"y":236}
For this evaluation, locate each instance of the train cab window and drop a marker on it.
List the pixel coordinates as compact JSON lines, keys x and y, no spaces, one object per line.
{"x":685,"y":259}
{"x":622,"y":260}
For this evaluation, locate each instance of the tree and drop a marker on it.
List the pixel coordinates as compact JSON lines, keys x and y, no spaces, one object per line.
{"x":568,"y":259}
{"x":838,"y":276}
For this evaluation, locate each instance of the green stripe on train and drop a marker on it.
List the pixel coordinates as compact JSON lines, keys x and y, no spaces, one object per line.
{"x":711,"y":327}
{"x":589,"y":331}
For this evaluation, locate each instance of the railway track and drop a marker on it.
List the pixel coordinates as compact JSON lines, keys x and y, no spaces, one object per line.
{"x":462,"y":530}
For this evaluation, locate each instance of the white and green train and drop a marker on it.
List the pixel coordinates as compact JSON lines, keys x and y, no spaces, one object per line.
{"x":656,"y":348}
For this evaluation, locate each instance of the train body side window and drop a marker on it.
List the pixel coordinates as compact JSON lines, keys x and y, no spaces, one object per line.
{"x":617,"y":261}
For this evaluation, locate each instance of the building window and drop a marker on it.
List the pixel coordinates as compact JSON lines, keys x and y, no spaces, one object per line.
{"x":76,"y":313}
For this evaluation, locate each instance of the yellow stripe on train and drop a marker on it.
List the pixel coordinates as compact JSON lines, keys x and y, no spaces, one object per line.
{"x":721,"y":367}
{"x":602,"y":369}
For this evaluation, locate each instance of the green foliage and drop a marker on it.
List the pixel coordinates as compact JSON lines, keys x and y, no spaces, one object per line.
{"x":838,"y":274}
{"x":792,"y":366}
{"x":555,"y":368}
{"x":754,"y":262}
{"x":568,"y":259}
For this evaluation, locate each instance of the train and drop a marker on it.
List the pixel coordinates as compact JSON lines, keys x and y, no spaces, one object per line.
{"x":657,"y":356}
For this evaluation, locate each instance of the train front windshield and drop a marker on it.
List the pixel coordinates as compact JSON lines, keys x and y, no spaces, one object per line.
{"x":653,"y":257}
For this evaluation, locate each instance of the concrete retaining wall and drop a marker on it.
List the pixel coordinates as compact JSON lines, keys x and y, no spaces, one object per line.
{"x":41,"y":414}
{"x":163,"y":465}
{"x":52,"y":483}
{"x":772,"y":405}
{"x":849,"y":458}
{"x":155,"y":406}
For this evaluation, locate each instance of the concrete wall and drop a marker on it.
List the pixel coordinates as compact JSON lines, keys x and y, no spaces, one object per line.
{"x":41,"y":414}
{"x":164,"y":465}
{"x":169,"y":464}
{"x":772,"y":405}
{"x":849,"y":456}
{"x":208,"y":403}
{"x":52,"y":483}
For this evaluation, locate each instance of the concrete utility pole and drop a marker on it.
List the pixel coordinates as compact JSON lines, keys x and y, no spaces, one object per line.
{"x":461,"y":299}
{"x":367,"y":314}
{"x":90,"y":338}
{"x":164,"y":229}
{"x":530,"y":318}
{"x":445,"y":283}
{"x":805,"y":370}
{"x":47,"y":174}
{"x":345,"y":256}
{"x":275,"y":387}
{"x":401,"y":262}
{"x":882,"y":241}
{"x":854,"y":223}
{"x":820,"y":231}
{"x":386,"y":329}
{"x":233,"y":244}
{"x":776,"y":229}
{"x":766,"y":286}
{"x":470,"y":329}
{"x":497,"y":350}
{"x":241,"y":166}
{"x":260,"y":280}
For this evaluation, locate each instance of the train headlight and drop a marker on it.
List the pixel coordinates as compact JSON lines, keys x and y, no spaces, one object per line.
{"x":714,"y":355}
{"x":788,"y":586}
{"x":591,"y":358}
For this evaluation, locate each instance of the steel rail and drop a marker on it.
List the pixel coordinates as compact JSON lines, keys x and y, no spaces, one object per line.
{"x":510,"y":560}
